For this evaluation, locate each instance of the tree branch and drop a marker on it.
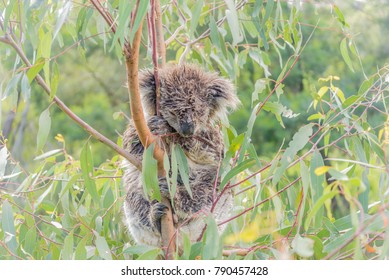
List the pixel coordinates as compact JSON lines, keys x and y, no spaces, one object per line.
{"x":160,"y":40}
{"x":90,"y":130}
{"x":145,"y":136}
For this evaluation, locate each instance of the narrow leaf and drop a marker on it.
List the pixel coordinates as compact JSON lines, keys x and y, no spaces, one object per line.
{"x":150,"y":174}
{"x":35,"y":69}
{"x":300,"y":139}
{"x":345,"y":54}
{"x":102,"y":247}
{"x":44,"y":128}
{"x":141,"y":12}
{"x":183,"y":168}
{"x":7,"y":221}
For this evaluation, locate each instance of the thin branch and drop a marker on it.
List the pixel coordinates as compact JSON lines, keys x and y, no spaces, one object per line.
{"x":260,"y":203}
{"x":160,"y":40}
{"x":90,"y":130}
{"x":153,"y":35}
{"x":132,"y":65}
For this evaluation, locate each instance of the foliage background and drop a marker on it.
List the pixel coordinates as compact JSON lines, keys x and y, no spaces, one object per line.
{"x":317,"y":174}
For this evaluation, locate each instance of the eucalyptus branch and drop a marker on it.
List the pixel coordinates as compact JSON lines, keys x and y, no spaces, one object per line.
{"x":153,"y":35}
{"x":131,"y":53}
{"x":261,"y":202}
{"x":90,"y":130}
{"x":159,"y":30}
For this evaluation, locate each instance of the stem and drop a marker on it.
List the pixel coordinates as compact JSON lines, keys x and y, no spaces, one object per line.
{"x":90,"y":130}
{"x":145,"y":136}
{"x":153,"y":36}
{"x":160,"y":40}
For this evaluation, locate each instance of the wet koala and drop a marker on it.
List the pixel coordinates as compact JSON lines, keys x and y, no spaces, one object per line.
{"x":192,"y":102}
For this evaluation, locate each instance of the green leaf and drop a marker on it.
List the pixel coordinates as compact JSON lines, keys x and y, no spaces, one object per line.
{"x":214,"y":33}
{"x":63,"y":14}
{"x":305,"y":181}
{"x":236,"y":170}
{"x":7,"y":220}
{"x":138,"y":249}
{"x":30,"y":241}
{"x":345,"y":54}
{"x":233,"y":22}
{"x":150,"y":174}
{"x":150,"y":255}
{"x":67,"y":250}
{"x":25,"y":88}
{"x":300,"y":139}
{"x":44,"y":128}
{"x":141,"y":12}
{"x":9,"y":7}
{"x":322,"y":91}
{"x":183,"y":168}
{"x":35,"y":69}
{"x":317,"y":186}
{"x":86,"y":162}
{"x":49,"y":154}
{"x":102,"y":247}
{"x":212,"y":247}
{"x":3,"y":161}
{"x":336,"y":175}
{"x":260,"y":86}
{"x":351,"y":100}
{"x":317,"y":206}
{"x":12,"y":86}
{"x":268,"y":11}
{"x":303,"y":246}
{"x":54,"y":81}
{"x":80,"y":252}
{"x":125,"y":9}
{"x":195,"y":17}
{"x":340,"y":15}
{"x":366,"y":85}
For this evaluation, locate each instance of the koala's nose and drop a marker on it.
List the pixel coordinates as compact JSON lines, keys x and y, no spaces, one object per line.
{"x":187,"y":129}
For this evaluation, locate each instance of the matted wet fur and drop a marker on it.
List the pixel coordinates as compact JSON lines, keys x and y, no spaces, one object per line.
{"x":192,"y":102}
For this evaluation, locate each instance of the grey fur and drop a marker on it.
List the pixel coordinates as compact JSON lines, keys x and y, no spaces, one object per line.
{"x":192,"y":102}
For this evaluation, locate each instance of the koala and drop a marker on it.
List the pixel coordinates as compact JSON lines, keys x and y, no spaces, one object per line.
{"x":192,"y":102}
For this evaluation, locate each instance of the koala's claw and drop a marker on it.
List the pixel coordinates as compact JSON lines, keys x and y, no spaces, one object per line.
{"x":157,"y":211}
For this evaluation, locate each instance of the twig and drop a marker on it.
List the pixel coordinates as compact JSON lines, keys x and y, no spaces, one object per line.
{"x":260,"y":203}
{"x":90,"y":130}
{"x":160,"y":40}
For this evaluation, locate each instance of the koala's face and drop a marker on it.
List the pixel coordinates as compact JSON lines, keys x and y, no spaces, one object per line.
{"x":190,"y":99}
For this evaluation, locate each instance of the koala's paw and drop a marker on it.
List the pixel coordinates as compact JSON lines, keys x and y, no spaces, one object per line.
{"x":157,"y":211}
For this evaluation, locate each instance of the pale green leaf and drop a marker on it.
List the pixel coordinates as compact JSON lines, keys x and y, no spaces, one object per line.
{"x":195,"y":16}
{"x":7,"y":220}
{"x":62,"y":15}
{"x":345,"y":54}
{"x":150,"y":174}
{"x":44,"y":128}
{"x":318,"y":205}
{"x":86,"y":162}
{"x":35,"y":69}
{"x":303,"y":246}
{"x":141,"y":12}
{"x":300,"y":139}
{"x":183,"y":168}
{"x":102,"y":247}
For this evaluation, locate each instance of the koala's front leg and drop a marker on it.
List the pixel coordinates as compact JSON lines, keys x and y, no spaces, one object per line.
{"x":204,"y":148}
{"x":159,"y":126}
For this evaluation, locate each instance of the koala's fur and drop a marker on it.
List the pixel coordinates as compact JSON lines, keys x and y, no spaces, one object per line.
{"x":191,"y":103}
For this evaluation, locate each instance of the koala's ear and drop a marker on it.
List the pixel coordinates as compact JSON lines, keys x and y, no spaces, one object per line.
{"x":222,"y":96}
{"x":147,"y":91}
